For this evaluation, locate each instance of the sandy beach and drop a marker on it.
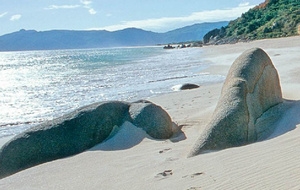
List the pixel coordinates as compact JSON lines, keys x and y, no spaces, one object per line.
{"x":133,"y":160}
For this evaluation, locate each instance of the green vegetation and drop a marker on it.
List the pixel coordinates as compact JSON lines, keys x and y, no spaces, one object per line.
{"x":271,"y":19}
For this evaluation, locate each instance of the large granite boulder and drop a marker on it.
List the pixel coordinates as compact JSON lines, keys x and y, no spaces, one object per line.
{"x":78,"y":131}
{"x":64,"y":136}
{"x":251,"y":88}
{"x":152,"y":119}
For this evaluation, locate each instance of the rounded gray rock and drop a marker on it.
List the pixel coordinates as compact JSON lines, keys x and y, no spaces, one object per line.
{"x":61,"y":137}
{"x":189,"y":86}
{"x":151,"y":118}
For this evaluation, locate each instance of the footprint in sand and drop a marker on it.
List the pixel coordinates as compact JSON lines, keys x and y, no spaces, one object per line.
{"x":194,"y":175}
{"x":164,"y":150}
{"x":171,"y":159}
{"x":194,"y":188}
{"x":165,"y":173}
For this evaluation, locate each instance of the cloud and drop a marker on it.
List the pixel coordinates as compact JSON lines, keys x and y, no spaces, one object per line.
{"x":244,"y":4}
{"x":62,"y":7}
{"x":161,"y":24}
{"x":87,"y":5}
{"x":92,"y":11}
{"x":3,"y":14}
{"x":15,"y":17}
{"x":86,"y":2}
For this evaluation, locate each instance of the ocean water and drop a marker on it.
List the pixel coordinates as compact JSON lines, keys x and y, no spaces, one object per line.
{"x":36,"y":86}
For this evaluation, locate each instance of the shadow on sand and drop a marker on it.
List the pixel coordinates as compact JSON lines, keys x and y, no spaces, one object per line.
{"x":128,"y":136}
{"x":289,"y":119}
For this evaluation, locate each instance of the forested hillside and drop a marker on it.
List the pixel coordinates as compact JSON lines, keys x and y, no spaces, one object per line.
{"x":271,"y":19}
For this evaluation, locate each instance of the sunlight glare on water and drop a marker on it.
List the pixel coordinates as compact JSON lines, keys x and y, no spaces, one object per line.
{"x":36,"y":86}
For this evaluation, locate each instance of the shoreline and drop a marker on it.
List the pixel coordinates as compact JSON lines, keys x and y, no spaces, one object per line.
{"x":153,"y":90}
{"x":154,"y":164}
{"x":70,"y":90}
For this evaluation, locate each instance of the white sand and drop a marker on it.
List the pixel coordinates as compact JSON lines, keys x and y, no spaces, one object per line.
{"x":144,"y":163}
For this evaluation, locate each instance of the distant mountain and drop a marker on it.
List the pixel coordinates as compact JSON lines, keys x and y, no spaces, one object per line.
{"x":69,"y":39}
{"x":191,"y":33}
{"x":270,"y":19}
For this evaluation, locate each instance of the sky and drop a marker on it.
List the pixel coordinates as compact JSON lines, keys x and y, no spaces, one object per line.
{"x":111,"y":15}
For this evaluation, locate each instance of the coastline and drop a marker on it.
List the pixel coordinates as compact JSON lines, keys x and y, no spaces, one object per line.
{"x":153,"y":164}
{"x":107,"y":75}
